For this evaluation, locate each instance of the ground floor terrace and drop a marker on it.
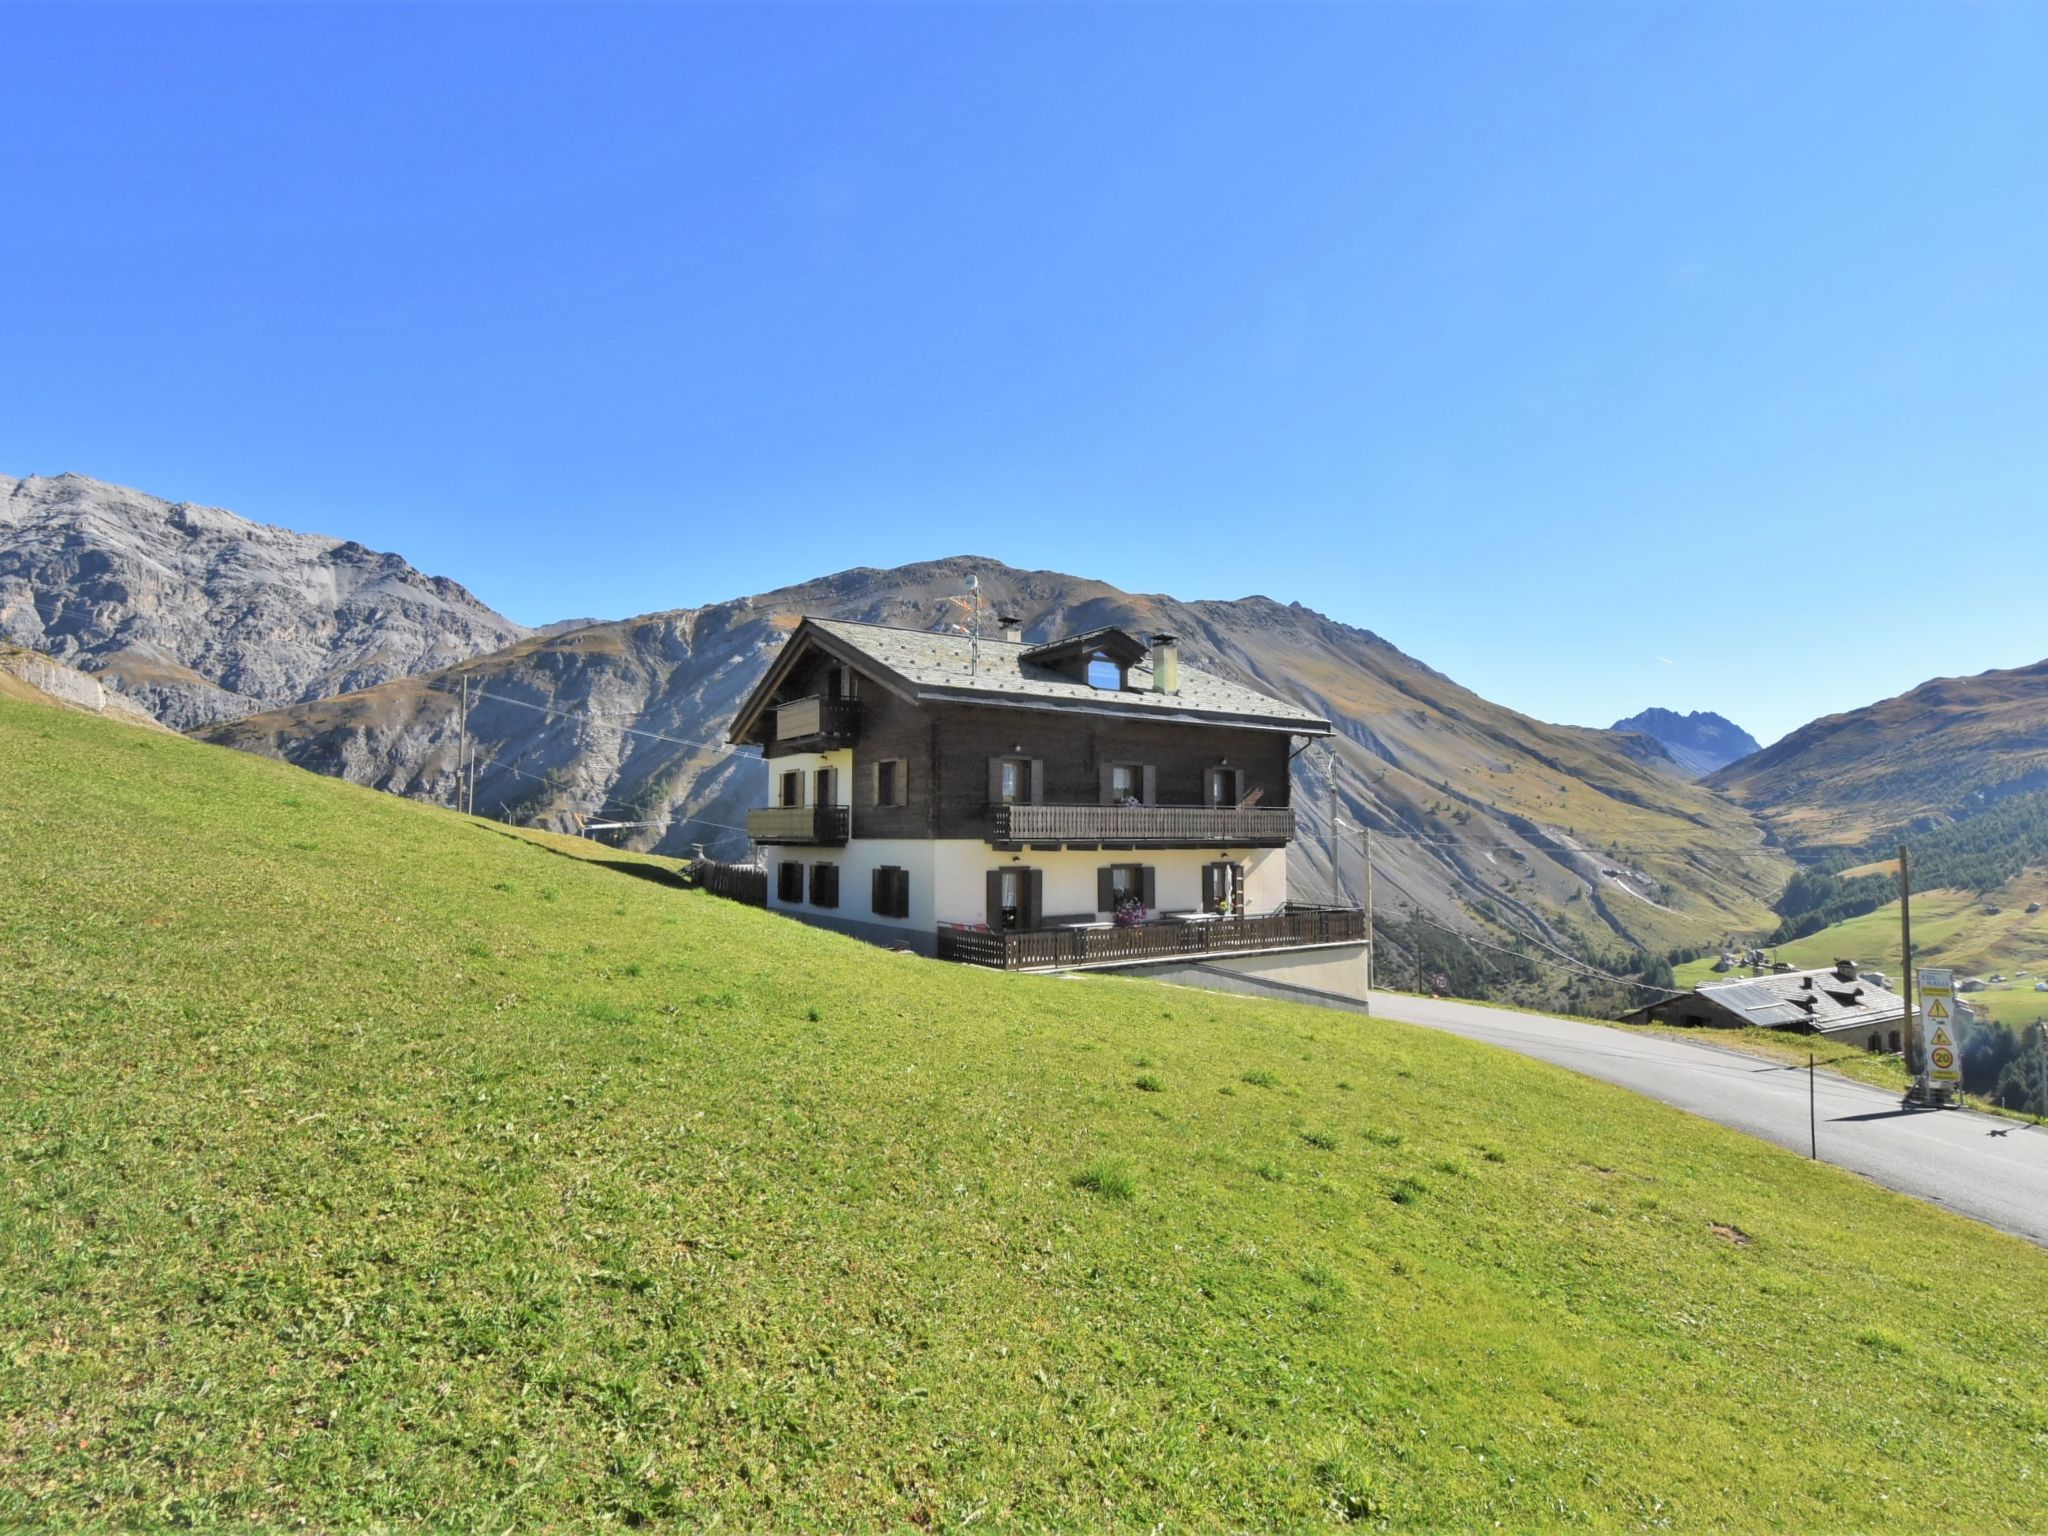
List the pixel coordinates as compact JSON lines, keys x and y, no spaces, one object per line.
{"x":1083,"y":943}
{"x":1038,"y":909}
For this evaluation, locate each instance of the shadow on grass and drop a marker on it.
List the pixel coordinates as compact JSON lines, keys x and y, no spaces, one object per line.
{"x":654,"y":873}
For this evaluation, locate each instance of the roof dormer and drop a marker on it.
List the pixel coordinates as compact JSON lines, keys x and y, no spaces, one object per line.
{"x":1101,"y":658}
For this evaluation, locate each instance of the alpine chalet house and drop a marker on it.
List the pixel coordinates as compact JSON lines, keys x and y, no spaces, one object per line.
{"x":1085,"y":802}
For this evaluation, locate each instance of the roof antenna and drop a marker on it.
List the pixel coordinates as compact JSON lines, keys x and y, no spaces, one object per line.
{"x":972,"y":629}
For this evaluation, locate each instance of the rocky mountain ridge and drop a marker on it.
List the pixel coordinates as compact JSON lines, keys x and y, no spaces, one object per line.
{"x":1939,"y":752}
{"x":1481,"y":819}
{"x":198,"y":615}
{"x":1696,"y":743}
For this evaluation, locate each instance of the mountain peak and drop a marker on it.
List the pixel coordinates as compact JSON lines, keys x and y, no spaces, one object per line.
{"x":1699,"y":742}
{"x":198,"y":614}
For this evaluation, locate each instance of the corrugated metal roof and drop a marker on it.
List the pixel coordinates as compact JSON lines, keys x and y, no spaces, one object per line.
{"x":944,"y":665}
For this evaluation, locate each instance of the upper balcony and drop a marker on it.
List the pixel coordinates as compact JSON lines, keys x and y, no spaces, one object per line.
{"x":821,"y":826}
{"x":816,"y":724}
{"x":1144,"y":826}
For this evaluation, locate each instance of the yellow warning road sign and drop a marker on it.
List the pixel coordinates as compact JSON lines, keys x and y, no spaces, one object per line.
{"x":1938,"y":1009}
{"x":1944,"y":1062}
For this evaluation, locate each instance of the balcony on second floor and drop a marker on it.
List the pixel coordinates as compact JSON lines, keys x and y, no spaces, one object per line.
{"x":822,"y":826}
{"x":816,"y":724}
{"x":1144,"y":826}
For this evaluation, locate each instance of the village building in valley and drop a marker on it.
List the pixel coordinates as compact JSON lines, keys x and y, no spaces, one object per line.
{"x":1086,"y":802}
{"x":1837,"y":1001}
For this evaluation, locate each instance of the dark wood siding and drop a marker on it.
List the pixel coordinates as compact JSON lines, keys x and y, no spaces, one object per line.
{"x":1074,"y":751}
{"x":892,"y":727}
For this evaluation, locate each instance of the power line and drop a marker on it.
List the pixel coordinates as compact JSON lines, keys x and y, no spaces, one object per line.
{"x":1559,"y":957}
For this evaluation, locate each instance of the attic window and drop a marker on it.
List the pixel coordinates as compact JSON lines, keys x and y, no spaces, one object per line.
{"x":1104,"y":673}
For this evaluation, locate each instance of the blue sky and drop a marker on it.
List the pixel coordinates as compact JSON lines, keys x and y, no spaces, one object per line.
{"x":1600,"y":356}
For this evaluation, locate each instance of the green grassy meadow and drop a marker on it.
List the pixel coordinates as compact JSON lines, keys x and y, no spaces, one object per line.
{"x":370,"y":1167}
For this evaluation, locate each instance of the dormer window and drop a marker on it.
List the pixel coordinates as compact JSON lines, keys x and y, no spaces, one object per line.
{"x":1104,"y":673}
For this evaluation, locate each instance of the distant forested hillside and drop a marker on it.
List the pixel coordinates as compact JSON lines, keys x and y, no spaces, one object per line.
{"x":1980,"y":854}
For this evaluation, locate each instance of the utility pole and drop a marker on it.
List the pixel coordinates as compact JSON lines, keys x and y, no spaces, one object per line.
{"x":1906,"y":961}
{"x":1336,"y":871}
{"x":462,"y":747}
{"x":1365,"y":847}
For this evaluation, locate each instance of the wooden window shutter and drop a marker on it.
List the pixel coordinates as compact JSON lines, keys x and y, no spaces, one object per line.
{"x":1148,"y":887}
{"x":1210,"y":895}
{"x":901,"y":884}
{"x":1151,"y":792}
{"x":995,"y":899}
{"x":995,"y":781}
{"x":1105,"y":889}
{"x":878,"y":892}
{"x":1034,"y":899}
{"x":1038,"y":781}
{"x":1102,"y":782}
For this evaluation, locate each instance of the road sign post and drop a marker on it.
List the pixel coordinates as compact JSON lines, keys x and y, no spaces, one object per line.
{"x":1941,"y":1056}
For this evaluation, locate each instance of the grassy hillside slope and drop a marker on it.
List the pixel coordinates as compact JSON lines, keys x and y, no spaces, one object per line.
{"x":364,"y":1163}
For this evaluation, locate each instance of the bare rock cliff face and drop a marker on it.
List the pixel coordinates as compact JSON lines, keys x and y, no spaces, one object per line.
{"x":26,"y":674}
{"x":198,"y":615}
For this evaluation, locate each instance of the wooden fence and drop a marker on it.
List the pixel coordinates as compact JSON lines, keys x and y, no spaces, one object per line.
{"x":1051,"y":948}
{"x":735,"y":882}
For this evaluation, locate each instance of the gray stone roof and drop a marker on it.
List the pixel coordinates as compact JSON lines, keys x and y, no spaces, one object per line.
{"x":1774,"y":1001}
{"x":942,"y":666}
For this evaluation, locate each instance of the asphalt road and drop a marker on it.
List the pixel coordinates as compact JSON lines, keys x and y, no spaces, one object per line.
{"x":1983,"y":1166}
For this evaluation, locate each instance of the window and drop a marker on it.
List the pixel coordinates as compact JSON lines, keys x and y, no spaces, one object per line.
{"x":1224,"y":786}
{"x":891,"y":892}
{"x":1126,"y":889}
{"x":1104,"y":673}
{"x":828,"y":787}
{"x":891,"y":782}
{"x":824,"y":885}
{"x":1128,"y":784}
{"x":1223,"y":888}
{"x":1016,"y":898}
{"x":793,"y":787}
{"x":1015,"y":780}
{"x":789,"y":883}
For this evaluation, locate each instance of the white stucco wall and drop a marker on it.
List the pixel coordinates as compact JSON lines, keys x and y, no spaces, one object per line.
{"x":808,"y":764}
{"x":857,"y":862}
{"x":949,"y":877}
{"x":961,"y":866}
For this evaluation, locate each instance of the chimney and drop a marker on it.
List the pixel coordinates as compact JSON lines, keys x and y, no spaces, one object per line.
{"x":1165,"y":664}
{"x":1013,"y":628}
{"x":1846,"y":969}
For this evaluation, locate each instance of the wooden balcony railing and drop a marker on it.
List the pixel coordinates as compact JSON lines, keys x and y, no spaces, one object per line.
{"x":1144,"y":826}
{"x":801,"y":719}
{"x":1055,"y":948}
{"x":823,"y":825}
